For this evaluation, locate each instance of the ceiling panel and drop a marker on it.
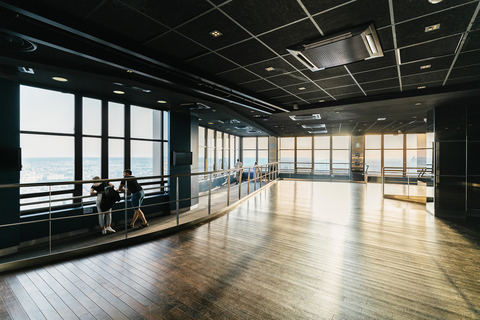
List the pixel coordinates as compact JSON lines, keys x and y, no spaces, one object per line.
{"x":433,"y":49}
{"x":178,"y":46}
{"x":429,"y":65}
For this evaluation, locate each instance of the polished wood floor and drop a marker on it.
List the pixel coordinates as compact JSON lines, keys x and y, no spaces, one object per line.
{"x":296,"y":250}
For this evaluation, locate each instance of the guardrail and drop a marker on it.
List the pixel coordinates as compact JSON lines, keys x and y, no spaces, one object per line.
{"x":404,"y":180}
{"x":53,"y":242}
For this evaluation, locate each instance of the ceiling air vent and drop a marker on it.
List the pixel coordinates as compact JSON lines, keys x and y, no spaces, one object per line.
{"x":314,"y":116}
{"x":359,"y":43}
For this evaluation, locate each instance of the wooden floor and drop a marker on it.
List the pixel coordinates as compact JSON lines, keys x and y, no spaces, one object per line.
{"x":296,"y":250}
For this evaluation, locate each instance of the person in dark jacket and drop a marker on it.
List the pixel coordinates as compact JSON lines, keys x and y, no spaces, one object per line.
{"x":137,"y":197}
{"x":98,"y":189}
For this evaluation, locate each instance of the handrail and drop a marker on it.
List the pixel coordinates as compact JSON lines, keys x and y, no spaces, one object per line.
{"x":405,"y":173}
{"x":267,"y":173}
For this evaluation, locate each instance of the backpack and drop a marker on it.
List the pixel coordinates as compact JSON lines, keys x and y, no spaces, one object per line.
{"x":110,"y":196}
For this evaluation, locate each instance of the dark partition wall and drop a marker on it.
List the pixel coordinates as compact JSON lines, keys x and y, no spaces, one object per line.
{"x":457,"y":160}
{"x":10,"y":153}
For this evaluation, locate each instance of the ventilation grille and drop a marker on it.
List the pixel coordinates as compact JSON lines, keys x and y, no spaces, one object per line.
{"x":357,"y":44}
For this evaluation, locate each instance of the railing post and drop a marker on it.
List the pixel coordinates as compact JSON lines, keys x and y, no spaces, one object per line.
{"x":408,"y":185}
{"x":210,"y":194}
{"x":125,"y":197}
{"x":228,"y":188}
{"x":50,"y":219}
{"x":383,"y":182}
{"x":248,"y":180}
{"x":240,"y":186}
{"x":177,"y":195}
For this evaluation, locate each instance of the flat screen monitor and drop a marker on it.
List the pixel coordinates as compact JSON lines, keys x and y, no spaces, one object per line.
{"x":181,"y":158}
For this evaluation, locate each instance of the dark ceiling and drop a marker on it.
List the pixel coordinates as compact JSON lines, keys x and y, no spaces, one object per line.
{"x":163,"y":50}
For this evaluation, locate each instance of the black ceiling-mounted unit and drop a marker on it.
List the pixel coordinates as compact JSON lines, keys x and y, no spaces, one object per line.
{"x":359,"y":43}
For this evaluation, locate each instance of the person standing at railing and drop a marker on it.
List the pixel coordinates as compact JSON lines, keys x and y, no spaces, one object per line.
{"x":239,"y":172}
{"x":98,"y":188}
{"x":136,"y":200}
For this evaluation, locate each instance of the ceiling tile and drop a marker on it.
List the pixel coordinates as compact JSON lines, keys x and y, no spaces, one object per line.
{"x":307,"y":87}
{"x":382,"y":84}
{"x":435,"y":65}
{"x":433,"y":49}
{"x":280,"y":67}
{"x":314,"y":95}
{"x":170,"y":13}
{"x":354,"y":14}
{"x":424,"y":78}
{"x":123,"y":20}
{"x":376,"y":92}
{"x":290,"y":35}
{"x":259,"y":85}
{"x":336,"y":82}
{"x":473,"y":70}
{"x":178,"y":46}
{"x":247,"y":52}
{"x":451,"y":22}
{"x":277,"y":92}
{"x":375,"y":75}
{"x":387,"y":60}
{"x":314,"y":6}
{"x":82,"y":8}
{"x":288,"y":79}
{"x":237,"y":76}
{"x":429,"y":85}
{"x":473,"y":41}
{"x":200,"y":28}
{"x":211,"y":63}
{"x":344,"y":90}
{"x":405,"y":10}
{"x":326,"y":73}
{"x":386,"y":38}
{"x":261,"y":16}
{"x":468,"y":58}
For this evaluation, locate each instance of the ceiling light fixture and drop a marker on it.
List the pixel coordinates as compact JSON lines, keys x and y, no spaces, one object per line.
{"x":321,"y":100}
{"x":418,"y":104}
{"x":59,"y":79}
{"x":215,"y":33}
{"x":422,"y":87}
{"x":426,"y":66}
{"x":270,"y":68}
{"x":118,"y":92}
{"x":381,"y":119}
{"x":435,"y":1}
{"x":302,"y":88}
{"x":432,"y":28}
{"x":129,"y":71}
{"x":162,"y":101}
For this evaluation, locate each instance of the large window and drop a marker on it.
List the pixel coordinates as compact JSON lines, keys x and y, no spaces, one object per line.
{"x":216,"y":150}
{"x":341,"y":152}
{"x":47,"y":142}
{"x":321,"y":153}
{"x":49,"y":134}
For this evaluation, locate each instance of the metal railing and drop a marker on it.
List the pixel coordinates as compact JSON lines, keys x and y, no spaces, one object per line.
{"x":320,"y":170}
{"x":403,"y":181}
{"x":51,"y":241}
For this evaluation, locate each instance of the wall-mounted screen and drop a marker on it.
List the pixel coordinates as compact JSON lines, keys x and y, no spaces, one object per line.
{"x":180,"y":158}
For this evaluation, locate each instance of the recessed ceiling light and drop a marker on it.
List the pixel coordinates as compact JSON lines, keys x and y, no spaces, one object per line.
{"x":426,"y":66}
{"x":270,"y":68}
{"x":422,"y":87}
{"x":414,"y":117}
{"x":321,"y":100}
{"x":215,"y":33}
{"x":302,"y":88}
{"x":129,"y":71}
{"x":59,"y":79}
{"x":435,"y":1}
{"x":418,"y":104}
{"x":162,"y":101}
{"x":381,"y":119}
{"x":337,"y":111}
{"x":210,"y":123}
{"x":432,"y":27}
{"x":118,"y":92}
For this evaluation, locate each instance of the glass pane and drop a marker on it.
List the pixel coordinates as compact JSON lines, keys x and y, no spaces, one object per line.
{"x":322,"y":156}
{"x":373,"y":158}
{"x":322,"y":142}
{"x":92,"y":116}
{"x":304,"y":143}
{"x":166,"y":159}
{"x":46,"y":110}
{"x":373,"y":141}
{"x":166,"y":125}
{"x":249,"y":143}
{"x":304,"y":158}
{"x":249,"y":157}
{"x":262,"y":156}
{"x":232,"y":152}
{"x":145,"y":158}
{"x":201,"y":137}
{"x":210,"y":138}
{"x":341,"y":157}
{"x":219,"y":159}
{"x":286,"y":143}
{"x":412,"y":159}
{"x":393,"y":158}
{"x":286,"y":158}
{"x":92,"y":166}
{"x":341,"y":142}
{"x":210,"y":159}
{"x":237,"y":149}
{"x":430,"y":139}
{"x":219,"y":140}
{"x":262,"y":142}
{"x":411,"y":141}
{"x":393,"y":141}
{"x":201,"y":159}
{"x":115,"y":158}
{"x":145,"y":123}
{"x":116,"y":122}
{"x":40,"y":164}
